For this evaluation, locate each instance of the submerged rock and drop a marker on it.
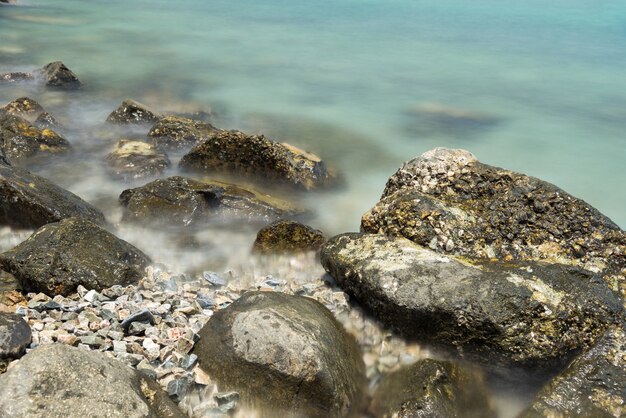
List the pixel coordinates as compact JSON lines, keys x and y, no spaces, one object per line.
{"x":15,"y":336}
{"x":179,"y":132}
{"x":440,"y":119}
{"x":594,"y":385}
{"x":30,"y":201}
{"x":61,"y":381}
{"x":21,"y":140}
{"x":285,"y":353}
{"x":527,"y":314}
{"x":432,"y":388}
{"x":287,"y":237}
{"x":56,"y":74}
{"x":62,"y":255}
{"x":134,"y":112}
{"x":15,"y":76}
{"x":135,"y":159}
{"x":181,"y":201}
{"x":24,"y":107}
{"x":447,"y":200}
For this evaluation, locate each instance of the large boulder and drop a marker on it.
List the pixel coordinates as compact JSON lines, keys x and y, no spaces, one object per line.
{"x":449,"y":201}
{"x":30,"y":201}
{"x":131,"y":160}
{"x":59,"y":256}
{"x":21,"y":140}
{"x":181,"y":201}
{"x":432,"y":388}
{"x":57,"y":75}
{"x":259,"y":159}
{"x":287,"y":237}
{"x":61,"y":381}
{"x":180,"y":132}
{"x":132,"y":112}
{"x":527,"y":314}
{"x":284,"y":353}
{"x":594,"y":385}
{"x":15,"y":336}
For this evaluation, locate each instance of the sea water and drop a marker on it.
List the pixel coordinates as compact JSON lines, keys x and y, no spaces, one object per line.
{"x":537,"y":87}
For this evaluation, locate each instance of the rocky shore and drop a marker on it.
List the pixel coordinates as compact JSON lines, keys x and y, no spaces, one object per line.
{"x":462,"y":276}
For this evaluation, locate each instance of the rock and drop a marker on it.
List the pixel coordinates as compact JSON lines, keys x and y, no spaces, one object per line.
{"x":181,"y":201}
{"x":259,"y":159}
{"x":179,"y":132}
{"x":131,"y":160}
{"x":21,"y":140}
{"x":142,"y":316}
{"x":14,"y":336}
{"x":287,"y":237}
{"x":62,"y":255}
{"x":286,"y":353}
{"x":46,"y":121}
{"x":15,"y":76}
{"x":594,"y":385}
{"x":61,"y":381}
{"x":503,"y":314}
{"x":30,"y":201}
{"x":447,"y":199}
{"x":432,"y":388}
{"x":57,"y":75}
{"x":24,"y":107}
{"x":133,"y":112}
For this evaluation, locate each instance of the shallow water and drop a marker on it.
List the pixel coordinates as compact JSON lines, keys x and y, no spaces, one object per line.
{"x":533,"y":87}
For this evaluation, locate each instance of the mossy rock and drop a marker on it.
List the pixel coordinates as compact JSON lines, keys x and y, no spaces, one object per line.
{"x":132,"y":112}
{"x":180,"y":132}
{"x":24,"y":107}
{"x":286,"y":236}
{"x":131,"y":160}
{"x":21,"y":140}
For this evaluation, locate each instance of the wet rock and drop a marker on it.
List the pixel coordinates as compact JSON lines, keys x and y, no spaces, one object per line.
{"x":133,"y":112}
{"x":181,"y":201}
{"x":283,"y":352}
{"x":14,"y":336}
{"x":57,"y":75}
{"x":180,"y":132}
{"x":21,"y":140}
{"x":594,"y":385}
{"x":259,"y":159}
{"x":62,"y":255}
{"x":89,"y":384}
{"x":30,"y":201}
{"x":287,"y":237}
{"x":432,"y":388}
{"x":15,"y":76}
{"x":46,"y":121}
{"x":527,"y":314}
{"x":449,"y":201}
{"x":135,"y":159}
{"x":24,"y":107}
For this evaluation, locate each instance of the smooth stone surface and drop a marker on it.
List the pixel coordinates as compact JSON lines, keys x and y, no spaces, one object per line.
{"x":287,"y":237}
{"x":285,"y":353}
{"x":594,"y":385}
{"x":180,"y":132}
{"x":181,"y":201}
{"x":448,"y":200}
{"x":132,"y":112}
{"x":432,"y":388}
{"x":525,"y":314}
{"x":259,"y":159}
{"x":62,"y":255}
{"x":21,"y":140}
{"x":15,"y":335}
{"x":29,"y":201}
{"x":60,"y":381}
{"x":57,"y":75}
{"x":132,"y":160}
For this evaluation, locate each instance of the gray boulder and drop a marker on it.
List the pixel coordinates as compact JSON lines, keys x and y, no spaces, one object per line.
{"x":61,"y":381}
{"x":432,"y":389}
{"x":287,"y":237}
{"x":57,"y":75}
{"x":594,"y":385}
{"x":448,"y":200}
{"x":59,"y":256}
{"x":15,"y":336}
{"x":15,"y":77}
{"x":30,"y":201}
{"x":132,"y":112}
{"x":181,"y":201}
{"x":21,"y":140}
{"x":527,"y":314}
{"x":286,"y":354}
{"x":180,"y":132}
{"x":259,"y":159}
{"x":131,"y":160}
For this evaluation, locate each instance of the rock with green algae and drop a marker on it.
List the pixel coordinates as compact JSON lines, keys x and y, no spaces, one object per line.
{"x":59,"y":256}
{"x":447,"y":200}
{"x":181,"y":201}
{"x":594,"y":385}
{"x":131,"y":160}
{"x":259,"y":159}
{"x":132,"y":112}
{"x":524,"y":314}
{"x":21,"y":140}
{"x":285,"y":354}
{"x":432,"y":388}
{"x":287,"y":236}
{"x":179,"y":132}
